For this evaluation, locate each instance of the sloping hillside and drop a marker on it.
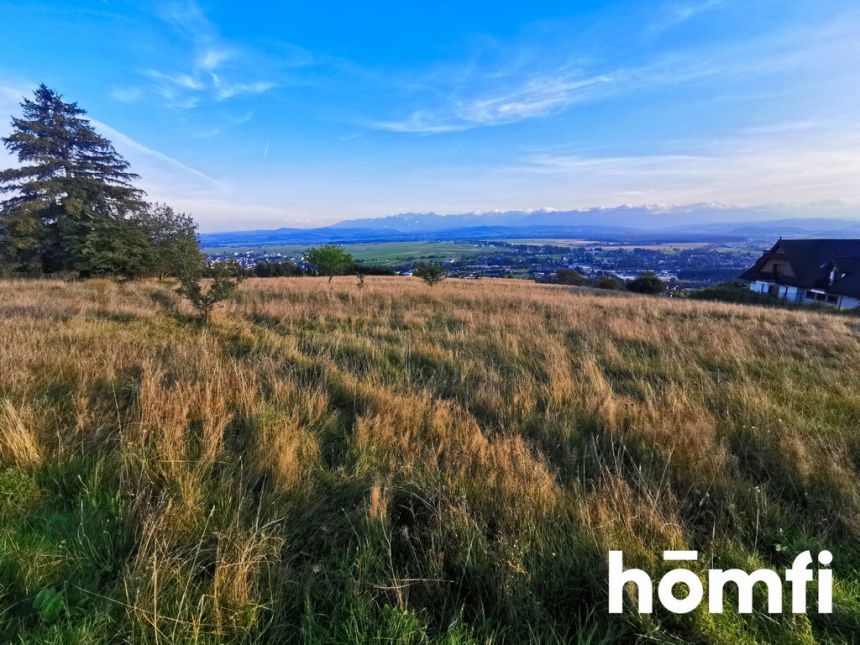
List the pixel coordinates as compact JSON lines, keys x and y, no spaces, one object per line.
{"x":338,"y":464}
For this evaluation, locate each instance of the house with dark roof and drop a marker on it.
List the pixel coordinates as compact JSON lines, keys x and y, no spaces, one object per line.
{"x":825,"y":272}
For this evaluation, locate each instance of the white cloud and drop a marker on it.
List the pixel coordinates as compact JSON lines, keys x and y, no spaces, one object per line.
{"x":535,"y":96}
{"x":181,"y":81}
{"x":674,"y":14}
{"x":212,"y":58}
{"x":242,"y":118}
{"x":215,"y":70}
{"x":533,"y":80}
{"x":127,"y":94}
{"x":225,"y":91}
{"x":140,"y":155}
{"x":807,"y":164}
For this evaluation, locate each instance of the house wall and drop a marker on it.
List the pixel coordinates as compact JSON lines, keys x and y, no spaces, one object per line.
{"x":842,"y":302}
{"x":791,"y":294}
{"x":784,"y":267}
{"x":759,"y":286}
{"x":849,"y":303}
{"x":797,"y":294}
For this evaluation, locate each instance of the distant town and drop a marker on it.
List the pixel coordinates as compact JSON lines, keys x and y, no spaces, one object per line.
{"x":682,"y":265}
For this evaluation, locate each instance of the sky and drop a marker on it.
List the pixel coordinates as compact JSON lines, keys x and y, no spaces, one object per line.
{"x":304,"y":113}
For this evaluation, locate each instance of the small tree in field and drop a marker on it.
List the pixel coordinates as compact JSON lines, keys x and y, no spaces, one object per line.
{"x":647,"y":282}
{"x":430,"y":273}
{"x":225,"y":279}
{"x":329,"y":260}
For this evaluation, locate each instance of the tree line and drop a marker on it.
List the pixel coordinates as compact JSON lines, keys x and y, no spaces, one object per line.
{"x":647,"y":282}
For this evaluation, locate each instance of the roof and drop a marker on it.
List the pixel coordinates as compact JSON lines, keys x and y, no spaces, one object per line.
{"x":812,"y":262}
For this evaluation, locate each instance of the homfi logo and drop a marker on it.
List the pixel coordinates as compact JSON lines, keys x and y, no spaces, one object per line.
{"x":799,"y":575}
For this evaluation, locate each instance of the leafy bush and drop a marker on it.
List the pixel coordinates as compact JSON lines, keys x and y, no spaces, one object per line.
{"x":371,"y":269}
{"x":608,"y":282}
{"x":736,"y":292}
{"x":225,"y":278}
{"x":571,"y":277}
{"x":430,"y":273}
{"x":329,"y":260}
{"x":268,"y":269}
{"x":647,"y":282}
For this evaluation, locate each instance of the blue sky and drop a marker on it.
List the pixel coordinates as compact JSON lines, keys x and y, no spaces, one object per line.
{"x":312,"y":112}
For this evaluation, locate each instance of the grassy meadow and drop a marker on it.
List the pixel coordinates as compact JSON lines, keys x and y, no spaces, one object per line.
{"x":328,"y":464}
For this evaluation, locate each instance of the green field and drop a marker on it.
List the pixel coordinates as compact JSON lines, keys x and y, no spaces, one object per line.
{"x":388,"y":253}
{"x":397,"y":252}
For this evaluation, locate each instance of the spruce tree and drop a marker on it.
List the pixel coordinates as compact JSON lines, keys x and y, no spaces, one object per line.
{"x":71,"y":186}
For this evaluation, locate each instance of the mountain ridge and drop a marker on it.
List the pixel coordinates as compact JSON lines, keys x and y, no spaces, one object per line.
{"x":618,"y":224}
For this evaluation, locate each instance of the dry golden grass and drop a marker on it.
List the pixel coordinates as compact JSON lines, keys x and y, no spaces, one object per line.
{"x":18,"y":444}
{"x":407,"y":463}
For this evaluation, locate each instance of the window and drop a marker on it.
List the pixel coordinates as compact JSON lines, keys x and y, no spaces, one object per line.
{"x":816,"y":296}
{"x":822,"y":297}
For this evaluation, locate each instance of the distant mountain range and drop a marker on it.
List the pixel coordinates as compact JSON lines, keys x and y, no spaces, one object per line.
{"x":697,"y":222}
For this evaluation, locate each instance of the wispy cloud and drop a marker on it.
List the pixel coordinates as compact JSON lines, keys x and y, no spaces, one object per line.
{"x":536,"y":81}
{"x":676,"y":13}
{"x":127,"y":94}
{"x":241,"y":118}
{"x":229,"y":90}
{"x":128,"y":146}
{"x":805,"y":163}
{"x":533,"y":97}
{"x":214,"y":69}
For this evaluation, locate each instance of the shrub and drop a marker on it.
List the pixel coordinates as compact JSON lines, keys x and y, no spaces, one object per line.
{"x":647,"y":282}
{"x":733,"y":292}
{"x":430,"y":273}
{"x":329,"y":260}
{"x":225,"y":278}
{"x":571,"y":277}
{"x":370,"y":269}
{"x":268,"y":269}
{"x":608,"y":282}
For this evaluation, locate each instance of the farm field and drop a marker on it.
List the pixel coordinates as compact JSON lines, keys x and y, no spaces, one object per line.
{"x":385,"y":254}
{"x":397,"y":463}
{"x":397,"y":253}
{"x":665,"y":247}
